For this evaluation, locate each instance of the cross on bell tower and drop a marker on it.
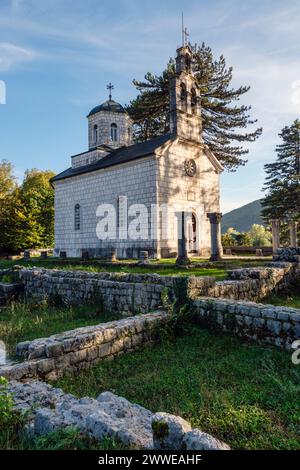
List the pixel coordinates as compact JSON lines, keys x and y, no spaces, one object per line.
{"x":185,"y":33}
{"x":185,"y":101}
{"x":110,"y":87}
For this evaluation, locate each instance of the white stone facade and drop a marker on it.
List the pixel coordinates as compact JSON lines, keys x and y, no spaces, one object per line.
{"x":135,"y":180}
{"x":157,"y":179}
{"x":198,"y":194}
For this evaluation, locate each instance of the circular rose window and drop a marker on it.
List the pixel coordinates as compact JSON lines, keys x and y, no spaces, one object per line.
{"x":190,"y":167}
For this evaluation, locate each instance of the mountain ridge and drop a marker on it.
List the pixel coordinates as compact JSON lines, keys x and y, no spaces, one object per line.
{"x":243,"y":217}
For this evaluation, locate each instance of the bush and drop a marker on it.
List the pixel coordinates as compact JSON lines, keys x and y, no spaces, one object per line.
{"x":10,"y":420}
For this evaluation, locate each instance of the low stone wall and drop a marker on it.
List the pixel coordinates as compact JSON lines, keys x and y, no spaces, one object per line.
{"x":79,"y":288}
{"x":126,"y":293}
{"x":262,"y":323}
{"x":141,"y":293}
{"x":254,"y":283}
{"x":288,"y":254}
{"x":49,"y":358}
{"x":9,"y":292}
{"x":49,"y":409}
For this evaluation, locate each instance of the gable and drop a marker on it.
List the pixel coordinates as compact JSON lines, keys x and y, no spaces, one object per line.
{"x":195,"y":147}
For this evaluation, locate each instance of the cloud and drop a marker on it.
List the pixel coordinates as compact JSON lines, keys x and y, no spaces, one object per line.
{"x":11,"y":55}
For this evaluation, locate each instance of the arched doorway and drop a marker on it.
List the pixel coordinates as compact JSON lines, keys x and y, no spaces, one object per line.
{"x":192,"y":233}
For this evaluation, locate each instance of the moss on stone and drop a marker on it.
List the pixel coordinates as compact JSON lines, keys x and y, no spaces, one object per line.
{"x":160,"y":429}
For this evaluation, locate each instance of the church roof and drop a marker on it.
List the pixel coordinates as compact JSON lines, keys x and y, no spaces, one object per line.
{"x":116,"y":157}
{"x":109,"y":105}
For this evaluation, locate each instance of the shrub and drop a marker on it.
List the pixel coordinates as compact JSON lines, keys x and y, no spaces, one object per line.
{"x":10,"y":420}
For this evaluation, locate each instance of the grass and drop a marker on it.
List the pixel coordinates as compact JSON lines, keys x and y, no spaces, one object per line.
{"x":166,"y":266}
{"x":245,"y":395}
{"x":169,"y":270}
{"x":21,"y":321}
{"x":286,"y":299}
{"x":11,"y":438}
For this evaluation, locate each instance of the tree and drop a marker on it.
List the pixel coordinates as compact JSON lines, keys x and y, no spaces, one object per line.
{"x":260,"y":235}
{"x":34,"y":211}
{"x":7,"y":180}
{"x":283,"y":177}
{"x":228,"y":240}
{"x":244,"y":239}
{"x":26,"y":210}
{"x":224,"y":122}
{"x":7,"y":187}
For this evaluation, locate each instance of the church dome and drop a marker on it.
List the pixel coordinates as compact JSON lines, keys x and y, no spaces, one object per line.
{"x":109,"y":105}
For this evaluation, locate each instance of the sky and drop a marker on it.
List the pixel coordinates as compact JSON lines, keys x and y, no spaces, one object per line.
{"x":57,"y":56}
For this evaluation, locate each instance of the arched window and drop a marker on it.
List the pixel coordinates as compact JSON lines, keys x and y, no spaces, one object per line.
{"x":95,"y":133}
{"x":114,"y":132}
{"x":194,"y":101}
{"x":188,"y":63}
{"x":77,"y":217}
{"x":183,"y":96}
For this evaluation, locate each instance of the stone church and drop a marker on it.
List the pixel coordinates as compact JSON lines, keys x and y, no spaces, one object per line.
{"x":176,"y":170}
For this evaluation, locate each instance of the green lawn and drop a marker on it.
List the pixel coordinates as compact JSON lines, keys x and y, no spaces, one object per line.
{"x":164,"y":267}
{"x":290,"y":300}
{"x":286,"y":299}
{"x":168,"y":270}
{"x":20,"y":322}
{"x":245,"y":395}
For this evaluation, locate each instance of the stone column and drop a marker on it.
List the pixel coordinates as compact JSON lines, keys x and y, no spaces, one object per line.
{"x":215,"y":235}
{"x":293,"y":234}
{"x":275,"y":224}
{"x":182,"y":255}
{"x":26,"y":255}
{"x":143,"y":257}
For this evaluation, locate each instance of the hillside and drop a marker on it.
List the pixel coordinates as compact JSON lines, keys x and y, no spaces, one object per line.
{"x":243,"y":218}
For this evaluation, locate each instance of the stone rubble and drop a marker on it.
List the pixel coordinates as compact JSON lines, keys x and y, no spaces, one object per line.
{"x":173,"y":432}
{"x":48,"y":409}
{"x":168,"y":431}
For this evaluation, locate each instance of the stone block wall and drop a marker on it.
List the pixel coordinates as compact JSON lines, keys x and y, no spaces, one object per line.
{"x":9,"y":292}
{"x":49,"y":358}
{"x":136,"y":181}
{"x":125,"y":293}
{"x":287,"y":254}
{"x":141,"y":293}
{"x":262,"y":323}
{"x":79,"y":288}
{"x":254,"y":283}
{"x":103,"y":120}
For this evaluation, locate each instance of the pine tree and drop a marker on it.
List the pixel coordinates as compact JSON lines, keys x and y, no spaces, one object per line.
{"x":283,"y":177}
{"x":224,"y":122}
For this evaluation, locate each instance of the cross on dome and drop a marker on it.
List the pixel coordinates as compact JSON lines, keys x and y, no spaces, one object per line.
{"x":110,"y":87}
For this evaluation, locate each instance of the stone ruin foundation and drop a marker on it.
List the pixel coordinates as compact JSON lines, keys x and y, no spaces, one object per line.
{"x":227,"y":305}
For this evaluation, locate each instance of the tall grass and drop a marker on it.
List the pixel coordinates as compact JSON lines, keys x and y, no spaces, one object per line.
{"x":27,"y":321}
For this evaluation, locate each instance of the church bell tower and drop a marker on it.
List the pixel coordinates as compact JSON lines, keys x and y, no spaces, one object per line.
{"x":185,"y":108}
